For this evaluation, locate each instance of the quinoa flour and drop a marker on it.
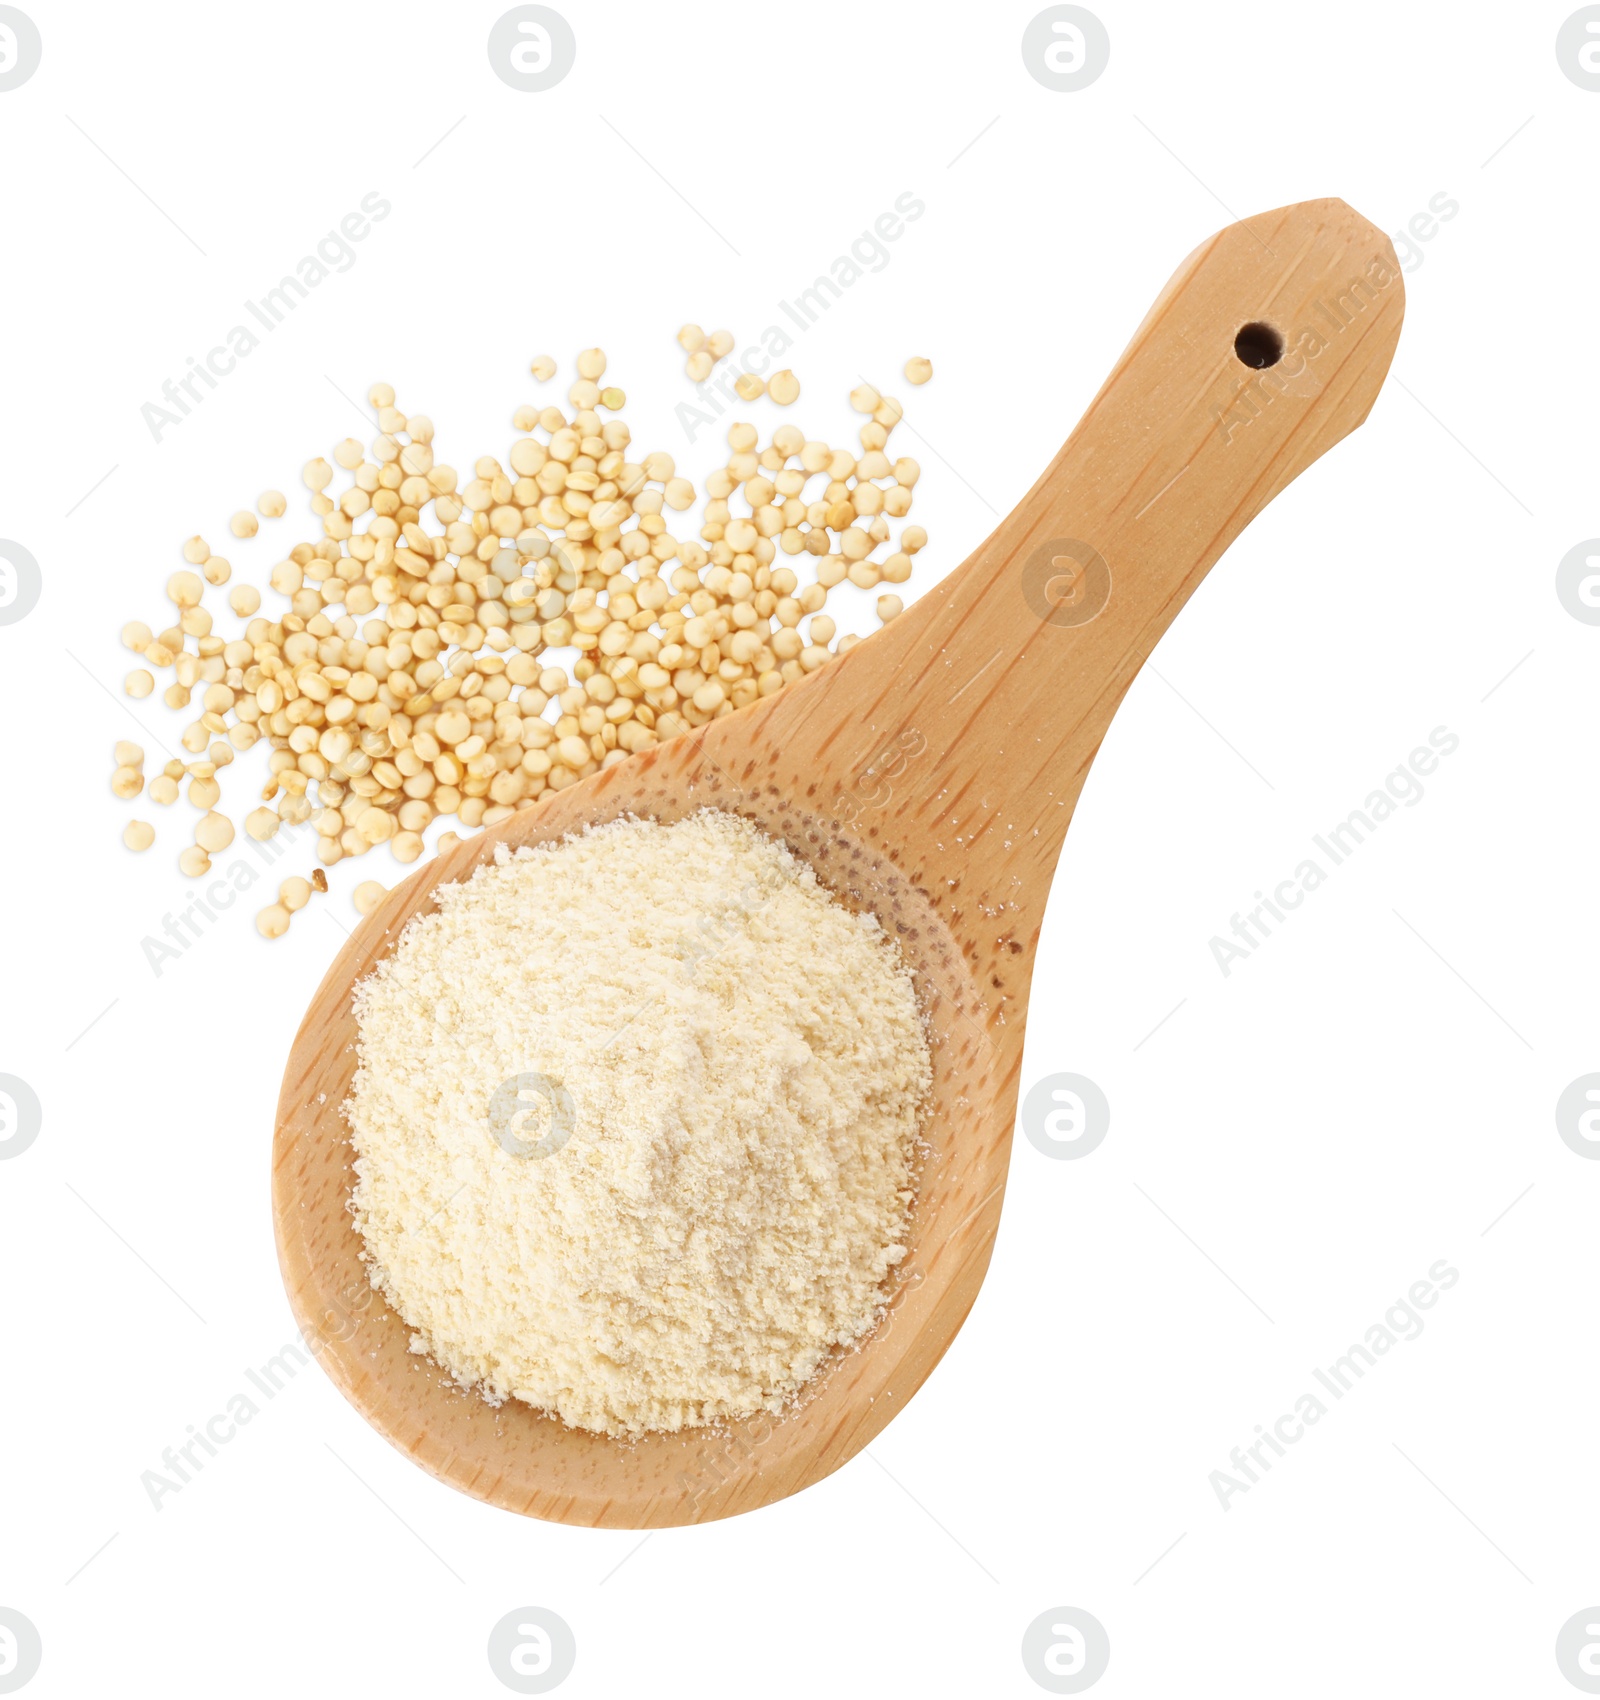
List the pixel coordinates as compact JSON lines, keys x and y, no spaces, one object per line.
{"x":741,"y":1064}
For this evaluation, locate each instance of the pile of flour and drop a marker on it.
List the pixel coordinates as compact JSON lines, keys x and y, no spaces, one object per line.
{"x":706,"y":1179}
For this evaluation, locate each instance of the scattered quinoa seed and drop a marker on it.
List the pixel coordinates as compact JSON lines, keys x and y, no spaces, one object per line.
{"x":213,"y":832}
{"x":399,"y":664}
{"x":368,"y":895}
{"x":295,"y":893}
{"x":273,"y":921}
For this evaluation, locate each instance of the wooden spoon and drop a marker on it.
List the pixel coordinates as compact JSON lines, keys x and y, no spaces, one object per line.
{"x":928,"y":776}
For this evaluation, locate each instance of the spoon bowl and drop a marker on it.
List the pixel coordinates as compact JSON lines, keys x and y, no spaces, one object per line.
{"x":928,"y":777}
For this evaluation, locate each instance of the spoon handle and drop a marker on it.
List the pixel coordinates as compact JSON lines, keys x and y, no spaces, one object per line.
{"x":984,"y":704}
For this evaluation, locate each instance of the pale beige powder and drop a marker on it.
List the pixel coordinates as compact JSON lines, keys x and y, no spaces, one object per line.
{"x":746,"y":1067}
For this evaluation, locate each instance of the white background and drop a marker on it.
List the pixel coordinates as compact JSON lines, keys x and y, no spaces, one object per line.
{"x":1372,"y":1091}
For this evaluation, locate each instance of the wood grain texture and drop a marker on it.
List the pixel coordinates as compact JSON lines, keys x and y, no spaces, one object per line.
{"x":930,"y":777}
